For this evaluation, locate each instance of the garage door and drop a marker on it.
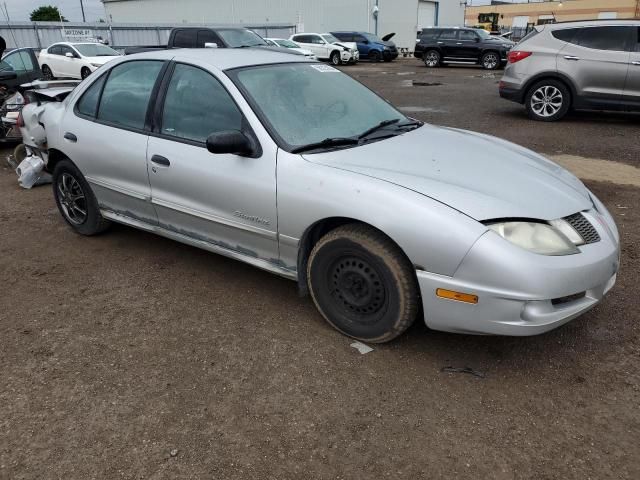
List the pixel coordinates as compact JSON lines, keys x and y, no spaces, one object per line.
{"x":426,"y":14}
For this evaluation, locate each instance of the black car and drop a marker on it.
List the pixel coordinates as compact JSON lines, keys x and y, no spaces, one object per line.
{"x":472,"y":46}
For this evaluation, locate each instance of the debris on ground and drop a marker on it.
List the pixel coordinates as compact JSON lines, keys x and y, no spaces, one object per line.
{"x":361,"y":347}
{"x":31,"y":172}
{"x":174,"y":452}
{"x":468,"y":370}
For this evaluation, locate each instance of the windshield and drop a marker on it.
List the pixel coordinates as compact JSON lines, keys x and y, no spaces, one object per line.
{"x":241,"y":38}
{"x":95,"y":50}
{"x":483,"y":33}
{"x":329,"y":38}
{"x":287,"y":44}
{"x":306,"y":103}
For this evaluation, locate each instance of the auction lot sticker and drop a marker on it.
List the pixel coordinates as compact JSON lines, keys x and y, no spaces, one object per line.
{"x":325,"y":68}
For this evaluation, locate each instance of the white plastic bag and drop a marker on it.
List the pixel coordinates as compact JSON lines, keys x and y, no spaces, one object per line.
{"x":31,"y":172}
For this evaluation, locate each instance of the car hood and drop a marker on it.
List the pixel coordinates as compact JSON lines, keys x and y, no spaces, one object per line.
{"x":481,"y":176}
{"x":101,"y":60}
{"x":349,"y":45}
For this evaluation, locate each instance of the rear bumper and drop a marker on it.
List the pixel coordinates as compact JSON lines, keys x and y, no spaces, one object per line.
{"x":511,"y":93}
{"x":520,"y":293}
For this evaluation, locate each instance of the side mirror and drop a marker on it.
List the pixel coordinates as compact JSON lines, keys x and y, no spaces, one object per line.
{"x":230,"y":141}
{"x":210,"y":45}
{"x":8,"y":75}
{"x":69,"y":55}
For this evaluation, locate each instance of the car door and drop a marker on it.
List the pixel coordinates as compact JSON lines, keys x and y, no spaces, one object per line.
{"x":468,"y":46}
{"x":632,"y":84}
{"x":53,"y":60}
{"x":447,"y":43}
{"x":304,"y":41}
{"x":225,"y":200}
{"x":596,"y":59}
{"x":24,"y":63}
{"x":320,"y":47}
{"x":106,"y":134}
{"x":69,"y":66}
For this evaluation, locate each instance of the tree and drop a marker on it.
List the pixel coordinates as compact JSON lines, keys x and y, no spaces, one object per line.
{"x":47,"y":13}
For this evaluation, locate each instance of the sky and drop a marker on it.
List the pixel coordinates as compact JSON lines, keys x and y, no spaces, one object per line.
{"x":21,"y":9}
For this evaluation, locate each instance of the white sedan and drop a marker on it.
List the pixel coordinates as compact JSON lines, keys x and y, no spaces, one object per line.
{"x":281,"y":42}
{"x":74,"y":60}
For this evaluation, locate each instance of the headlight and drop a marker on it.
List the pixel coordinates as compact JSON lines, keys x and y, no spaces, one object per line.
{"x":539,"y":238}
{"x":97,"y":65}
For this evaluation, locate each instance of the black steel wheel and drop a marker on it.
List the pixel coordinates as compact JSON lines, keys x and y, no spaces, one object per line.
{"x":363,"y":284}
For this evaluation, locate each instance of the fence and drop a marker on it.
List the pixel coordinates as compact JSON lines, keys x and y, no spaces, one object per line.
{"x":42,"y":34}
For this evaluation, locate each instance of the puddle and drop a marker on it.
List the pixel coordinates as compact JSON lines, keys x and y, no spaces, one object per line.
{"x":418,"y":83}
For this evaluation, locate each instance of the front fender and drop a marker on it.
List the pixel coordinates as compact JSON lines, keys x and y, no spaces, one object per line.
{"x":434,"y":237}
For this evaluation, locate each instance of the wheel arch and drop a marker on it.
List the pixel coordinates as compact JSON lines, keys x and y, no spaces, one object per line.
{"x":54,"y":157}
{"x":550,"y":75}
{"x":314,"y":233}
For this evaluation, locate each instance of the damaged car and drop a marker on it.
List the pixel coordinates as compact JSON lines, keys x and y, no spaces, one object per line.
{"x":296,"y":168}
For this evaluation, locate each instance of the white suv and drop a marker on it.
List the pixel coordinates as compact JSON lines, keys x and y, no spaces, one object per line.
{"x":74,"y":60}
{"x":327,"y":47}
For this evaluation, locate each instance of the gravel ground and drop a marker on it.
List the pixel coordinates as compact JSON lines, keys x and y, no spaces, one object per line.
{"x":130,"y":356}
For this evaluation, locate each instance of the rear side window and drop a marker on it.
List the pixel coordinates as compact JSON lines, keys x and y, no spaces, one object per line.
{"x":429,"y":35}
{"x":19,"y":61}
{"x":448,"y":35}
{"x":302,"y":39}
{"x":126,"y":94}
{"x":88,"y":103}
{"x":468,"y":35}
{"x":605,"y":38}
{"x":566,"y":35}
{"x":197,"y":105}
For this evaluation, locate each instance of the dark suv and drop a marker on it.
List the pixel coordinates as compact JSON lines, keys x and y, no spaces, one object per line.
{"x":473,"y":46}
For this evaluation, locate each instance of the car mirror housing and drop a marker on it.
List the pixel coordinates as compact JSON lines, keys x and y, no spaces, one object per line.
{"x":230,"y":141}
{"x":69,"y":55}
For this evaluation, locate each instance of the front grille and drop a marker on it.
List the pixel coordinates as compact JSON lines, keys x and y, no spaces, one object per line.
{"x":581,"y":225}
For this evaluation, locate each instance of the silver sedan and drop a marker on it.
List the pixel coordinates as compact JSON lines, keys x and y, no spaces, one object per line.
{"x":296,"y":168}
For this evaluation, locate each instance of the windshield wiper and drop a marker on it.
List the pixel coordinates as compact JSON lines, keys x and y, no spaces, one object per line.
{"x":326,"y":143}
{"x":375,"y":128}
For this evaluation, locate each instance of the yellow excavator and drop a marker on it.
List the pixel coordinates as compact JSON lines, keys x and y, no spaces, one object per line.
{"x":489,"y":22}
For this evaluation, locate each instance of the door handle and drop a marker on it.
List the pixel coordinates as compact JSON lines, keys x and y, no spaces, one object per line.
{"x":70,"y":136}
{"x":571,"y":57}
{"x":160,"y":160}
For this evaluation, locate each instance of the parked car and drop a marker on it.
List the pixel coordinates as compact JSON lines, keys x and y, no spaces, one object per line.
{"x":592,"y":65}
{"x":370,"y":46}
{"x":472,"y":46}
{"x":284,"y":43}
{"x":327,"y":47}
{"x":217,"y":37}
{"x":74,"y":60}
{"x":292,"y":166}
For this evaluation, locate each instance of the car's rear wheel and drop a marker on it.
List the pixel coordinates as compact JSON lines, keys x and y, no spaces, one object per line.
{"x":335,"y":58}
{"x":375,"y":56}
{"x":363,"y":284}
{"x":490,"y":61}
{"x":548,"y":101}
{"x":76,"y":201}
{"x":47,"y":74}
{"x":85,"y":72}
{"x":431,"y":58}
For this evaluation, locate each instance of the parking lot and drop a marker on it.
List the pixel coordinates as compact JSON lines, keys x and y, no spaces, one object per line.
{"x":127,"y":355}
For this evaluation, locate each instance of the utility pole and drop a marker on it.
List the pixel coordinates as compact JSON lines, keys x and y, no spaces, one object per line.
{"x":82,"y":8}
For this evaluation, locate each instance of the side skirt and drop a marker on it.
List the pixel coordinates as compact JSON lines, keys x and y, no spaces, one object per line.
{"x":211,"y":247}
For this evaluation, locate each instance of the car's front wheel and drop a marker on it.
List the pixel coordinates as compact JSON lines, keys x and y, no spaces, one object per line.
{"x":431,"y":58}
{"x":374,"y":56}
{"x":76,"y":201}
{"x":335,"y":58}
{"x":490,"y":61}
{"x":548,"y":101}
{"x":363,"y":284}
{"x":85,"y":72}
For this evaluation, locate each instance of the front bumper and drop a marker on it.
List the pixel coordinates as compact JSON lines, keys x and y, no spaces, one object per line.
{"x":349,"y":57}
{"x":521,"y":293}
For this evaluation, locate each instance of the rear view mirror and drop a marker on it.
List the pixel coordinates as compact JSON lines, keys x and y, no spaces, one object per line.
{"x":230,"y":141}
{"x":8,"y":75}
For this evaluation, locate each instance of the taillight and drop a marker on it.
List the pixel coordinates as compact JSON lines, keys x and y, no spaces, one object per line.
{"x":517,"y":55}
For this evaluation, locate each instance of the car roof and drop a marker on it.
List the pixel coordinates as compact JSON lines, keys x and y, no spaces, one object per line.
{"x":590,"y":23}
{"x":223,"y":58}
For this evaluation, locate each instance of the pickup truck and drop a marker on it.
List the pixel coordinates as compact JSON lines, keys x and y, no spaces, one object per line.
{"x":217,"y":37}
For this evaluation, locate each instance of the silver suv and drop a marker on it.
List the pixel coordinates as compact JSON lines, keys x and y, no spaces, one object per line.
{"x":590,"y":65}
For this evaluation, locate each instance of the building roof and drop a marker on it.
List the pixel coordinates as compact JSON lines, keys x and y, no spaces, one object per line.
{"x":224,"y":58}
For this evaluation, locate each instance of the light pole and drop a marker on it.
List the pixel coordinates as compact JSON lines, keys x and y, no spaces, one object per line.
{"x":82,"y":8}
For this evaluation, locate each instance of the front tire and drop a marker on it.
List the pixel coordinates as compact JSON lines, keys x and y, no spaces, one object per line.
{"x":548,"y":101}
{"x":431,"y":58}
{"x":335,"y":58}
{"x":85,"y":72}
{"x":75,"y":200}
{"x":47,"y":74}
{"x":374,"y":56}
{"x":363,"y":284}
{"x":490,"y":61}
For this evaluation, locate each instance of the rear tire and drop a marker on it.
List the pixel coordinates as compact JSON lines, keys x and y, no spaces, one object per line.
{"x":548,"y":101}
{"x":47,"y":74}
{"x":431,"y":58}
{"x":490,"y":61}
{"x":75,"y":200}
{"x":363,"y":284}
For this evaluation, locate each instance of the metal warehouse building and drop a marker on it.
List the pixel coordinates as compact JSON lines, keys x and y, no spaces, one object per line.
{"x":403,"y":17}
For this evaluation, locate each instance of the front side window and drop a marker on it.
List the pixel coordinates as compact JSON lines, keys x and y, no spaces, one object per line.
{"x":17,"y":61}
{"x":306,"y":103}
{"x":197,"y":105}
{"x":64,"y":49}
{"x":317,"y":40}
{"x":126,"y":94}
{"x":605,"y":38}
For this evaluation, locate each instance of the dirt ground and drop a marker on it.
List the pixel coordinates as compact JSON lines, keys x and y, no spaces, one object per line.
{"x":131,"y":356}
